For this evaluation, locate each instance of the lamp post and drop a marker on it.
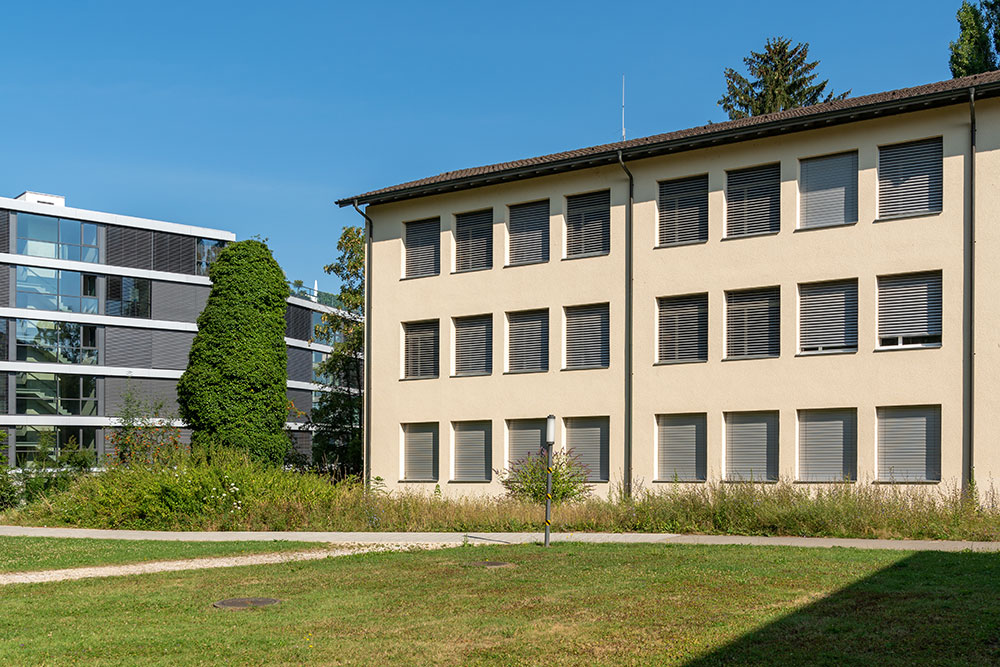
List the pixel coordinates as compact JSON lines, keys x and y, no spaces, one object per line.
{"x":550,"y":439}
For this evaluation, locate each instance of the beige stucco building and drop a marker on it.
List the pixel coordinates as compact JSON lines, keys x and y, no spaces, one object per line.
{"x":806,"y":296}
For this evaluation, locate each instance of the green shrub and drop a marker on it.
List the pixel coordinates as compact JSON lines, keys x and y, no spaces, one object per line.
{"x":527,"y":478}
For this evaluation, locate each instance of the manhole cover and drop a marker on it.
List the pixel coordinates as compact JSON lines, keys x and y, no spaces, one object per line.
{"x":491,"y":564}
{"x":245,"y":603}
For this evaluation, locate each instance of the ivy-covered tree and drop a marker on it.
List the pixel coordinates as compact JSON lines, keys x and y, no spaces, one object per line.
{"x":233,"y":391}
{"x":972,"y":52}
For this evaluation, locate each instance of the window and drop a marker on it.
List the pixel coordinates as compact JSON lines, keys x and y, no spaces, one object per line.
{"x":588,"y":224}
{"x":474,"y":345}
{"x":683,"y":328}
{"x":682,"y":452}
{"x":909,"y":309}
{"x":206,"y":251}
{"x":587,"y":440}
{"x":473,"y":451}
{"x":128,"y":297}
{"x":322,"y":331}
{"x":683,"y":211}
{"x":56,"y":342}
{"x":828,"y":445}
{"x":51,"y":289}
{"x":422,"y":347}
{"x":317,"y":360}
{"x":588,"y":336}
{"x":529,"y":233}
{"x":423,"y":248}
{"x":753,"y":201}
{"x":45,"y":236}
{"x":828,"y":189}
{"x":420,"y":452}
{"x":27,"y":439}
{"x":828,"y":316}
{"x":474,"y":241}
{"x":525,"y":437}
{"x":528,"y":341}
{"x":910,"y":179}
{"x":317,"y":400}
{"x":52,"y":394}
{"x":909,"y":444}
{"x":753,"y":323}
{"x":752,"y":446}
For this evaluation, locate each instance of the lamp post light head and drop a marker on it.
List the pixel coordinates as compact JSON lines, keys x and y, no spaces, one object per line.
{"x":550,"y":430}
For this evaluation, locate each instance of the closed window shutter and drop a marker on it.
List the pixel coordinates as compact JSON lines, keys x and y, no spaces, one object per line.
{"x":909,"y":443}
{"x":683,"y":328}
{"x":588,"y":337}
{"x":529,"y":233}
{"x":588,"y":224}
{"x":829,"y":190}
{"x":423,"y":248}
{"x":420,"y":452}
{"x":473,"y":451}
{"x":422,"y":348}
{"x":753,"y":201}
{"x":474,"y":240}
{"x":910,"y":178}
{"x":528,"y":341}
{"x":525,"y":437}
{"x":828,"y":445}
{"x":909,"y":308}
{"x":587,"y":440}
{"x":753,"y":323}
{"x":681,"y":448}
{"x":684,"y":211}
{"x":752,"y":446}
{"x":828,"y":316}
{"x":474,"y":345}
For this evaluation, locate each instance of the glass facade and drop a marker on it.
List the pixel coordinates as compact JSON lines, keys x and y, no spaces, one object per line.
{"x":128,"y":297}
{"x":56,"y":342}
{"x":319,"y":358}
{"x":56,"y":394}
{"x":58,"y":238}
{"x":208,"y":250}
{"x":52,"y":289}
{"x":26,"y":439}
{"x":322,"y":336}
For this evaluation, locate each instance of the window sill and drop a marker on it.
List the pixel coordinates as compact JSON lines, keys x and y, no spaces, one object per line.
{"x":827,"y":353}
{"x":679,"y":244}
{"x":679,"y":481}
{"x":543,"y":370}
{"x":417,"y":481}
{"x":469,"y":481}
{"x":587,"y":255}
{"x":900,"y":348}
{"x":827,"y":226}
{"x":908,"y":481}
{"x":517,"y":264}
{"x":471,"y":375}
{"x":909,"y":216}
{"x":680,"y":362}
{"x":476,"y":270}
{"x":750,"y":236}
{"x":426,"y":275}
{"x":584,"y":368}
{"x":428,"y":377}
{"x":753,"y":358}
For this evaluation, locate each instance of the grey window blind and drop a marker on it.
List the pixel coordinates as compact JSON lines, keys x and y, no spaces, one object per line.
{"x":423,"y":248}
{"x":173,"y":252}
{"x":828,"y":316}
{"x":473,"y":451}
{"x":474,"y":240}
{"x":753,"y":323}
{"x":829,"y":190}
{"x":910,"y":178}
{"x":588,"y":224}
{"x":421,"y":348}
{"x":683,"y":328}
{"x":828,"y":445}
{"x":683,"y":211}
{"x":128,"y":246}
{"x":525,"y":437}
{"x":588,"y":336}
{"x":753,"y":200}
{"x":682,"y":452}
{"x":587,"y":439}
{"x":752,"y":446}
{"x":474,"y":345}
{"x":529,"y":233}
{"x":528,"y":341}
{"x":909,"y":443}
{"x":420,"y":452}
{"x":909,"y":309}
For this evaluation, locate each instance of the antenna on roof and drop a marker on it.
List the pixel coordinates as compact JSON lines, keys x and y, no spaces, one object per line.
{"x":623,"y":108}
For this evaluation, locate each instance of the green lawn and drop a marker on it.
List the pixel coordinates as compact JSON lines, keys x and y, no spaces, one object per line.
{"x":571,"y":604}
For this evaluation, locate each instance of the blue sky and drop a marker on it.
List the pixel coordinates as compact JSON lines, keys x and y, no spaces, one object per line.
{"x":256,"y":116}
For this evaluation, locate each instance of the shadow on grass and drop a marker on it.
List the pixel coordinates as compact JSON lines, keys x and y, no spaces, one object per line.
{"x":937,"y":608}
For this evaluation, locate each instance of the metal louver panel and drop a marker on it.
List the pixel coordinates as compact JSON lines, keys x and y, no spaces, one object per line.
{"x":828,"y":445}
{"x":909,"y":443}
{"x":149,"y":390}
{"x":298,"y":323}
{"x":132,"y":348}
{"x":129,"y":247}
{"x":829,"y":190}
{"x":420,"y":452}
{"x":473,"y":451}
{"x":587,"y":439}
{"x":682,"y":449}
{"x":421,"y":349}
{"x":753,"y":323}
{"x":171,"y":348}
{"x":525,"y":437}
{"x":753,"y":200}
{"x":474,"y":345}
{"x":173,"y":252}
{"x":302,"y":443}
{"x":423,"y":248}
{"x":828,"y":316}
{"x":300,"y":366}
{"x":5,"y":231}
{"x":683,"y":328}
{"x":752,"y":446}
{"x":588,"y":224}
{"x":5,"y":281}
{"x":528,"y":341}
{"x":910,"y":178}
{"x":909,"y":306}
{"x":474,"y":240}
{"x":683,"y":211}
{"x":177,"y":302}
{"x":529,"y":233}
{"x":588,"y":336}
{"x":301,"y":400}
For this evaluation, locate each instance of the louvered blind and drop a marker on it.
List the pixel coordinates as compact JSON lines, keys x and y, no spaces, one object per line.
{"x":171,"y":348}
{"x":423,"y":248}
{"x":528,"y":341}
{"x":909,"y":443}
{"x":588,"y":336}
{"x":753,"y":200}
{"x":829,"y":190}
{"x":525,"y":437}
{"x":474,"y":345}
{"x":421,"y":349}
{"x":473,"y":451}
{"x":299,"y":365}
{"x":128,"y":347}
{"x":128,"y":246}
{"x":910,"y":180}
{"x":529,"y":233}
{"x":909,"y":309}
{"x":420,"y":452}
{"x":587,"y":439}
{"x":298,"y":322}
{"x":828,"y":445}
{"x":683,"y":328}
{"x":474,"y":240}
{"x":752,"y":446}
{"x":684,"y":211}
{"x":681,"y":447}
{"x":173,"y":252}
{"x":753,"y":323}
{"x":828,"y":316}
{"x":588,"y":224}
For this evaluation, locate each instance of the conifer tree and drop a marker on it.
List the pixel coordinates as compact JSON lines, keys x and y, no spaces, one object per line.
{"x":972,"y":52}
